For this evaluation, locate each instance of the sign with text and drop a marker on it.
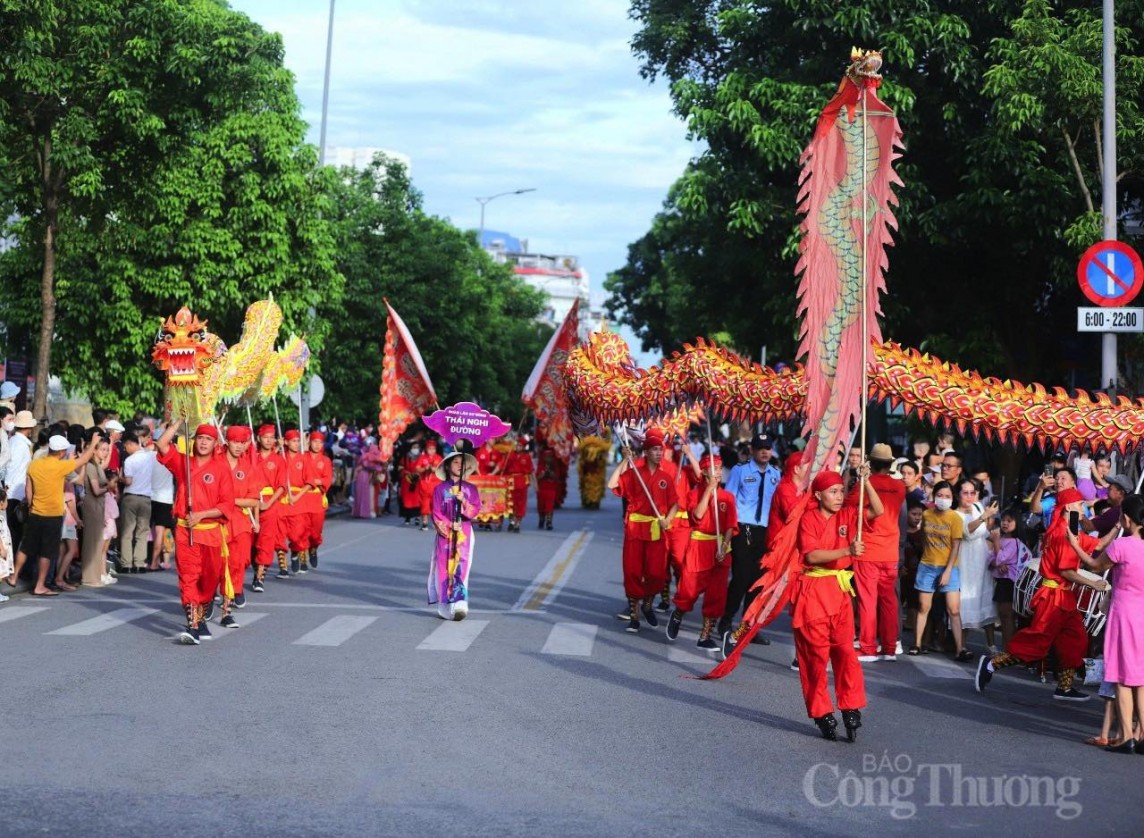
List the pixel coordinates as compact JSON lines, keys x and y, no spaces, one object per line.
{"x":1110,"y":274}
{"x":1124,"y":320}
{"x":466,"y":420}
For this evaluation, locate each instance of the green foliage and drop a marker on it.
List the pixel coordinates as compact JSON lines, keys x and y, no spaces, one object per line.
{"x":994,"y":211}
{"x":473,"y":320}
{"x":175,"y":174}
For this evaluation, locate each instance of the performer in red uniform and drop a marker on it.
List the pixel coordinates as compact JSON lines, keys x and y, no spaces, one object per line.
{"x":242,"y":522}
{"x":876,"y":570}
{"x":823,"y":616}
{"x":705,"y":568}
{"x":408,"y":495}
{"x":678,"y":538}
{"x":652,"y":503}
{"x":272,"y":474}
{"x":293,"y":519}
{"x":1056,"y":624}
{"x":518,"y":467}
{"x":484,"y":457}
{"x":315,"y":502}
{"x":547,"y":485}
{"x":786,"y":496}
{"x":204,"y":498}
{"x":426,"y":467}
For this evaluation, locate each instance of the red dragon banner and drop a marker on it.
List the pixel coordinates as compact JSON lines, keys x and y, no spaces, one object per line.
{"x":406,"y":391}
{"x":545,"y":393}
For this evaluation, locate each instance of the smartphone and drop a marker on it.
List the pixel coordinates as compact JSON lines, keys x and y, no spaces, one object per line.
{"x":1047,"y":470}
{"x":1074,"y":522}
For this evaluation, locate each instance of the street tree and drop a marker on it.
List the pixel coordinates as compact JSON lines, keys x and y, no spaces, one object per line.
{"x":1001,"y":167}
{"x":154,"y":157}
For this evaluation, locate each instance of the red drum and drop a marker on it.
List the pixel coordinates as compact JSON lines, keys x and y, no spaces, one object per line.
{"x":1090,"y":603}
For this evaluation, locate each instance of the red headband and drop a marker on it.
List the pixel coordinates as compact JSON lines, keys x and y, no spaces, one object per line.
{"x":238,"y":433}
{"x":825,"y":480}
{"x":292,"y":434}
{"x":318,"y":435}
{"x":1068,"y":496}
{"x":207,"y":430}
{"x":707,"y":461}
{"x":653,"y":438}
{"x":267,"y":430}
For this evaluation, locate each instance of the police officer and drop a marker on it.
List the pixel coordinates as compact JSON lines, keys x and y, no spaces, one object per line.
{"x":753,"y":486}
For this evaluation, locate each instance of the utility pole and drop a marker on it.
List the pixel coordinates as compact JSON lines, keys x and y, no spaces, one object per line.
{"x":1109,"y":377}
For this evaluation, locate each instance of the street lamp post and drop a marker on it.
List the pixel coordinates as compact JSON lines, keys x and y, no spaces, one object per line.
{"x":483,"y":201}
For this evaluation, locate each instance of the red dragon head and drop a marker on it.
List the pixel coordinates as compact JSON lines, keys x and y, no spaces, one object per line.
{"x":182,"y":349}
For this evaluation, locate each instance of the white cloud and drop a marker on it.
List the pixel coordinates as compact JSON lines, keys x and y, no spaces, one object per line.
{"x":489,"y":96}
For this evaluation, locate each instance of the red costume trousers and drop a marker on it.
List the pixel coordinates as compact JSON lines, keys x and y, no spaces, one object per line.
{"x":295,"y":531}
{"x":829,"y":638}
{"x":237,"y":560}
{"x":546,"y":491}
{"x":199,"y":568}
{"x":315,"y":524}
{"x":876,"y":583}
{"x":711,"y":584}
{"x":678,"y":537}
{"x":645,"y":567}
{"x":268,"y":540}
{"x":519,"y":498}
{"x":1056,"y":625}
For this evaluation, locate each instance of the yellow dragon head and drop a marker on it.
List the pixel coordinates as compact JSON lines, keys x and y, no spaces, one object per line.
{"x":183,"y":349}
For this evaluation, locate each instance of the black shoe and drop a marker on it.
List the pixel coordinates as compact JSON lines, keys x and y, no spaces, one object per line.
{"x":964,"y":656}
{"x":1128,"y":746}
{"x":314,"y":557}
{"x":256,"y":586}
{"x":727,"y":646}
{"x":633,"y":625}
{"x":228,"y":622}
{"x":240,"y":600}
{"x":673,"y":624}
{"x":205,"y":631}
{"x":761,"y":639}
{"x":794,"y":665}
{"x":852,"y":720}
{"x":649,"y":614}
{"x":983,"y":676}
{"x":295,"y":564}
{"x":1072,"y":694}
{"x":708,"y":644}
{"x":548,"y":526}
{"x":208,"y":612}
{"x":827,"y":724}
{"x":188,"y":637}
{"x":283,"y":573}
{"x":663,"y":606}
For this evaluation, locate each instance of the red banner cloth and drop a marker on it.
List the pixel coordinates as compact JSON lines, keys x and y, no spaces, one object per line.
{"x":544,"y":393}
{"x":406,"y":391}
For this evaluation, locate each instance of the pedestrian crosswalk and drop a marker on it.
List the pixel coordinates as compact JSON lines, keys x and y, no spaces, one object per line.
{"x":315,"y":628}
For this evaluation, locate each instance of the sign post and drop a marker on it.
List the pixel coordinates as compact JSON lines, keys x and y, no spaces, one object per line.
{"x":1110,"y":274}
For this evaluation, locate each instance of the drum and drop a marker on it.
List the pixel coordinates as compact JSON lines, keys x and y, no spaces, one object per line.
{"x":1089,"y":602}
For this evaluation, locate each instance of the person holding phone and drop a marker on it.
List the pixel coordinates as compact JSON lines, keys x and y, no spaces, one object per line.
{"x":1056,"y":623}
{"x":978,"y":610}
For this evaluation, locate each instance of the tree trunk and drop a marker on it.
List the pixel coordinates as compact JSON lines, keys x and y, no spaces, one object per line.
{"x":51,"y":186}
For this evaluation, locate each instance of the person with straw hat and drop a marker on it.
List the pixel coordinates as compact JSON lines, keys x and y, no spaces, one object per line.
{"x":456,"y":502}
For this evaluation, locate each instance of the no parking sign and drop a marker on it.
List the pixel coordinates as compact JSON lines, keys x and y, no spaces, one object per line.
{"x":1110,"y":273}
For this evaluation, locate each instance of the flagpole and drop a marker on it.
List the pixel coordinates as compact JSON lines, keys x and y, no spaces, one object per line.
{"x":865,"y":304}
{"x":711,"y":477}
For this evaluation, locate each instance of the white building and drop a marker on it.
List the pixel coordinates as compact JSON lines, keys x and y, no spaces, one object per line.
{"x":560,"y":276}
{"x":360,"y":158}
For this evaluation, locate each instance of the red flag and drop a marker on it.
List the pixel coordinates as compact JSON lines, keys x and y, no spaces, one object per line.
{"x":544,"y":393}
{"x":406,"y":391}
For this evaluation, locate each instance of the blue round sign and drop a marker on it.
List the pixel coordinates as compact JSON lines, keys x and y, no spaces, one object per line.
{"x":1110,"y":274}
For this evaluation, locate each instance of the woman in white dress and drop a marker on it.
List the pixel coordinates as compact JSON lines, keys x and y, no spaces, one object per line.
{"x":978,"y":610}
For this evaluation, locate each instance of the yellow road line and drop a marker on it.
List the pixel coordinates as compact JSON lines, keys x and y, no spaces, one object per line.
{"x":548,"y":584}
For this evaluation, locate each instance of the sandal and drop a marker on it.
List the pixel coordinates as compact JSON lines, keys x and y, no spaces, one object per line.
{"x":963,"y":656}
{"x":913,"y":651}
{"x":1099,"y":741}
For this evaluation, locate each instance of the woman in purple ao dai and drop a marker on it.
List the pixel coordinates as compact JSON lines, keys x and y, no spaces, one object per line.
{"x":456,"y":503}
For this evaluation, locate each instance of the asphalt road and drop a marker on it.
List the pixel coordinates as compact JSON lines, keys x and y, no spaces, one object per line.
{"x":344,"y":706}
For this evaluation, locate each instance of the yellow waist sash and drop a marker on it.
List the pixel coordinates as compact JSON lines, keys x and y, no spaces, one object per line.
{"x":702,"y":536}
{"x":1050,"y":583}
{"x":845,"y":577}
{"x":647,"y":519}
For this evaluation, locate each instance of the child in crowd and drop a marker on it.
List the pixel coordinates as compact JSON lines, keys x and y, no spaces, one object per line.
{"x":912,"y":550}
{"x":1008,"y":557}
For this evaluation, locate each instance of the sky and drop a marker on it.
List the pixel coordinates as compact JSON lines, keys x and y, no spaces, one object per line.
{"x":490,"y":96}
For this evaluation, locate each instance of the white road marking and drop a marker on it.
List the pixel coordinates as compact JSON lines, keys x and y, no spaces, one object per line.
{"x":550,"y":581}
{"x":940,"y":669}
{"x":335,"y":631}
{"x":453,"y":636}
{"x":103,"y":622}
{"x":570,"y":639}
{"x":15,"y":612}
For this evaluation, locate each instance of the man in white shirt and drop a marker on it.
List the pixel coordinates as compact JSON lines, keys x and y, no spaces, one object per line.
{"x":16,"y":475}
{"x":135,"y":507}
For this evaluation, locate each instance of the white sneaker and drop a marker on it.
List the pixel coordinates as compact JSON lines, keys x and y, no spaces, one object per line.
{"x":3,"y":598}
{"x":108,"y":579}
{"x":898,"y":648}
{"x":887,"y":657}
{"x":867,"y":658}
